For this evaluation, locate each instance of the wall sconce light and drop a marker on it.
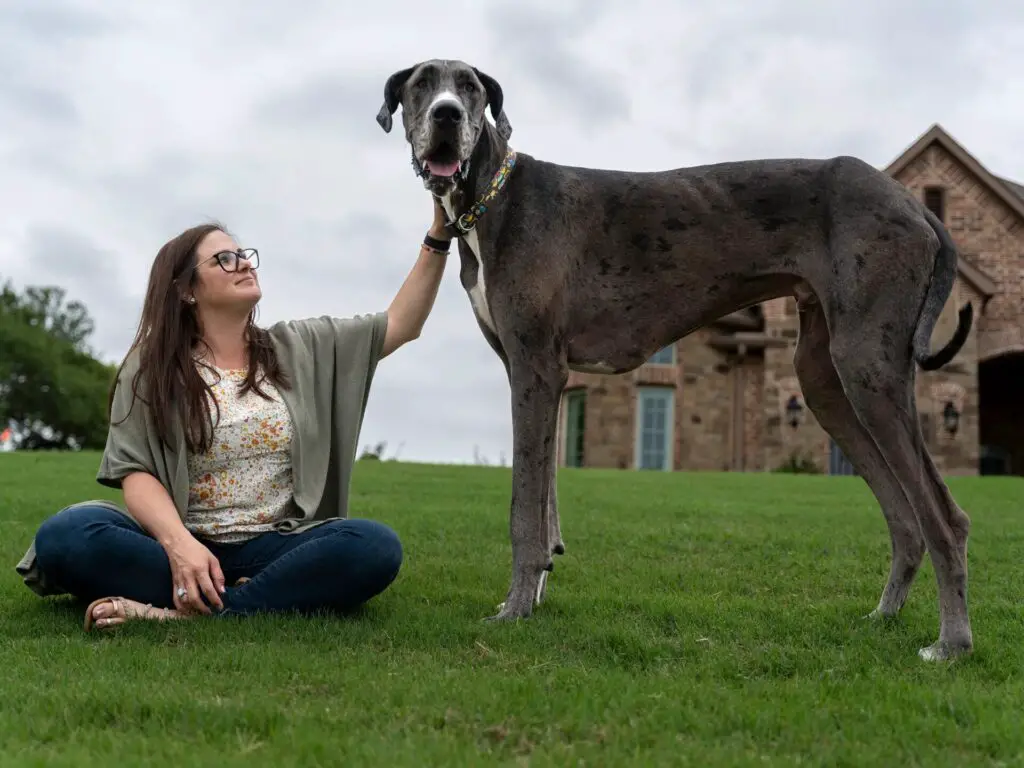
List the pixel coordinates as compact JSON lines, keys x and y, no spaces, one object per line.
{"x":951,"y":417}
{"x":794,"y":411}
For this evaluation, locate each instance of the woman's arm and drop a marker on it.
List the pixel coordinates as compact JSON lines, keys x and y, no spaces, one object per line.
{"x":150,"y":504}
{"x":415,"y":299}
{"x":128,"y":463}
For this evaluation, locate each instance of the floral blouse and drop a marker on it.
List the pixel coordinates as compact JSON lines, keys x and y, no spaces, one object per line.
{"x":243,"y":483}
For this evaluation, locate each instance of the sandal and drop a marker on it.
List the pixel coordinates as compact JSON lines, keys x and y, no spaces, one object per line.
{"x":125,"y":610}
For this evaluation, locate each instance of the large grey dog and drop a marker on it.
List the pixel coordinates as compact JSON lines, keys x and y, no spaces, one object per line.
{"x":595,"y":270}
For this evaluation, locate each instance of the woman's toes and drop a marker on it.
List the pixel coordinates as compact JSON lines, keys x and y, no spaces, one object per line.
{"x":115,"y":611}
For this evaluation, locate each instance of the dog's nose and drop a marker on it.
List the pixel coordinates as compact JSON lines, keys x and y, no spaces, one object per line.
{"x":446,"y":113}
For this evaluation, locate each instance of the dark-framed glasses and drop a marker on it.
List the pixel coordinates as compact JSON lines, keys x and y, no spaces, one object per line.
{"x":230,"y":260}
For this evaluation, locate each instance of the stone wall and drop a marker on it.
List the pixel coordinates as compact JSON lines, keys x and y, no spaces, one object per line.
{"x":782,"y":442}
{"x":753,"y":406}
{"x":703,"y":415}
{"x":956,"y":453}
{"x":609,"y":420}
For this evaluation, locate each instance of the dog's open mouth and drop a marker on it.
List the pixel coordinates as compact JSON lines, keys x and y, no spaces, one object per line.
{"x":442,"y":161}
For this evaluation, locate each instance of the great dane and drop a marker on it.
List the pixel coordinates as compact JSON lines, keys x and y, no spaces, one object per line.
{"x":585,"y":269}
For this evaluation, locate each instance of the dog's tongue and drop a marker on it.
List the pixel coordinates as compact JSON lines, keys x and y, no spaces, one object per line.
{"x":442,"y":169}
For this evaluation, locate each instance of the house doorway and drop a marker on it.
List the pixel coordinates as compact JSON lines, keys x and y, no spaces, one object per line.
{"x":1001,"y":415}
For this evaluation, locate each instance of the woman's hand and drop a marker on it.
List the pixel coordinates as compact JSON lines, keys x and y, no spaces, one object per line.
{"x":195,"y":568}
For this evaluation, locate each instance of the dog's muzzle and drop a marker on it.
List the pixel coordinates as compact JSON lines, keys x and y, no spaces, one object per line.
{"x":442,"y":162}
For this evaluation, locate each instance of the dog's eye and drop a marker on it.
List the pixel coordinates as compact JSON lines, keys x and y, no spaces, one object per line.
{"x":467,"y":86}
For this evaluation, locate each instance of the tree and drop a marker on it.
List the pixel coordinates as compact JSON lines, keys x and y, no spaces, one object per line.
{"x":51,"y":386}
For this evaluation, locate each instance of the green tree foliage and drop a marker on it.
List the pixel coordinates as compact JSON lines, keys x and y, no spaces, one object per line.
{"x":52,"y":387}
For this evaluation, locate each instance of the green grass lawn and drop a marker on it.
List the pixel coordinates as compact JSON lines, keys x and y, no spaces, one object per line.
{"x":694,"y":620}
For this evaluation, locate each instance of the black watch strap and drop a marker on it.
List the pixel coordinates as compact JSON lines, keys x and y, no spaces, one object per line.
{"x":437,"y":245}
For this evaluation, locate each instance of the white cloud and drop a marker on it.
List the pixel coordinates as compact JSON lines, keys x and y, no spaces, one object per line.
{"x":124,"y":123}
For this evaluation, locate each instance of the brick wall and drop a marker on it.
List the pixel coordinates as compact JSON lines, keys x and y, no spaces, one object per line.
{"x":989,"y":234}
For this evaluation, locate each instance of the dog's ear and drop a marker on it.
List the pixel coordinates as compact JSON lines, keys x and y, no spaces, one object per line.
{"x":496,"y":99}
{"x":392,"y":89}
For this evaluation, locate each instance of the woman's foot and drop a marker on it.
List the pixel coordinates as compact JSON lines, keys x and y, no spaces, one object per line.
{"x":109,"y":612}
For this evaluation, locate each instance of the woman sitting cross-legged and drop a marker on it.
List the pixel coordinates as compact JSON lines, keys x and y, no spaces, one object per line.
{"x":234,"y":447}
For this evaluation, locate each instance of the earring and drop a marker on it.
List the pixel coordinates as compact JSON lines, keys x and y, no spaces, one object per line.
{"x":191,"y":299}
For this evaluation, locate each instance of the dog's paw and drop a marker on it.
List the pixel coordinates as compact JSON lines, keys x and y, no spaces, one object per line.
{"x":505,"y":615}
{"x":514,"y":607}
{"x":941,"y":651}
{"x":878,"y":615}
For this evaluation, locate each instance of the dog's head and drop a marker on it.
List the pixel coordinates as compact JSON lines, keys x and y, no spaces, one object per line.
{"x":443,"y":104}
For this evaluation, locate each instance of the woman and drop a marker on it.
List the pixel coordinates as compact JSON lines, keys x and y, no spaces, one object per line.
{"x":233,"y":446}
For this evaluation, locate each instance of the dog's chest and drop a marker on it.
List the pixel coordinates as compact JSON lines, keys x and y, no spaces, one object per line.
{"x":478,"y":291}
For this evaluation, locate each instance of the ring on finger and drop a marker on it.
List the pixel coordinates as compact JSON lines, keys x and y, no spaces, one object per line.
{"x":182,"y":593}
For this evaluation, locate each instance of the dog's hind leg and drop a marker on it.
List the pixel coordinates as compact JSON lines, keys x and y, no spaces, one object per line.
{"x":824,"y":395}
{"x":875,"y":367}
{"x":555,"y":543}
{"x":554,"y":524}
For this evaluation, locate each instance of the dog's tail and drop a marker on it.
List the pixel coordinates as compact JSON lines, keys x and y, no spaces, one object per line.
{"x":939,"y":289}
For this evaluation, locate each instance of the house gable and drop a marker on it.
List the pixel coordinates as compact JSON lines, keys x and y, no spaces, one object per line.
{"x":985,"y":215}
{"x":1009,"y":193}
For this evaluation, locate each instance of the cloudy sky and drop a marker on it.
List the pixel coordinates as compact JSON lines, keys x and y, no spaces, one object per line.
{"x":123,"y":123}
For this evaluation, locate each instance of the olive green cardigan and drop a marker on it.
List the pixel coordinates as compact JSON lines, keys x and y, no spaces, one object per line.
{"x":330,"y":363}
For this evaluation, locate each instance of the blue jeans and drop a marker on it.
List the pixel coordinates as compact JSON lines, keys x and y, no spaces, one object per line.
{"x":94,"y":552}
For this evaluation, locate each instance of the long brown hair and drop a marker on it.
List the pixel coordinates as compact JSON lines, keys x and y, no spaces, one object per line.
{"x":167,"y":339}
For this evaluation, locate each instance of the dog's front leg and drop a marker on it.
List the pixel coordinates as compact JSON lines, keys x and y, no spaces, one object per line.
{"x":536,"y":390}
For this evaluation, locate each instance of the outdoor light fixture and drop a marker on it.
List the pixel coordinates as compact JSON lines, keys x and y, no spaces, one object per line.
{"x":951,"y":418}
{"x":793,"y":411}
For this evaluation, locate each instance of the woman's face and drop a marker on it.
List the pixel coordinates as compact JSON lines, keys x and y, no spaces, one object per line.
{"x":225,"y":275}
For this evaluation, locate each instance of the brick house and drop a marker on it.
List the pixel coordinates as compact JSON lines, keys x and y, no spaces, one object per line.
{"x":726,"y":397}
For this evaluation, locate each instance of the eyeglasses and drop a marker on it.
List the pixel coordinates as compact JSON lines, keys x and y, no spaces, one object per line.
{"x":229,"y":260}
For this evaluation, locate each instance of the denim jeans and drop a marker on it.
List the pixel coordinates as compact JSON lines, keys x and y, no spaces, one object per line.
{"x":94,"y":552}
